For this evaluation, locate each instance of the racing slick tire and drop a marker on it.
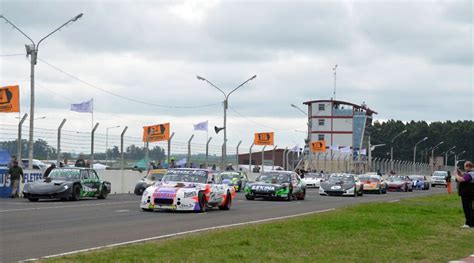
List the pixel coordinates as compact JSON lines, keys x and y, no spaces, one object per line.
{"x":228,"y":202}
{"x":202,"y":202}
{"x":302,"y":196}
{"x":103,"y":194}
{"x":248,"y":197}
{"x":76,"y":192}
{"x":290,"y":194}
{"x":33,"y":199}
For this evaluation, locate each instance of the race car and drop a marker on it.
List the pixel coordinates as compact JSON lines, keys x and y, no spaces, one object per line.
{"x":342,"y":185}
{"x":188,"y":189}
{"x":152,"y":177}
{"x":235,"y":179}
{"x":276,"y":185}
{"x":68,"y":183}
{"x":420,"y":182}
{"x":312,"y":179}
{"x":439,"y":178}
{"x":400,"y":183}
{"x":373,"y":184}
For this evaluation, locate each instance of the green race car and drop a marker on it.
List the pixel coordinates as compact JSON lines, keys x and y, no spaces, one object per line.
{"x":276,"y":185}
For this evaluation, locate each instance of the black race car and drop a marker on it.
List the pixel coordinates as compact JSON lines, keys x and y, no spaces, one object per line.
{"x":68,"y":183}
{"x":278,"y":185}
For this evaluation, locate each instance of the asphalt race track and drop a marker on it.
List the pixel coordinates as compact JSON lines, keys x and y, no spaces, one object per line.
{"x":32,"y":230}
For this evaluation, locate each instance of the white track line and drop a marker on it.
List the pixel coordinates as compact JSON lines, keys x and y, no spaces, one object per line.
{"x":178,"y":234}
{"x":63,"y":206}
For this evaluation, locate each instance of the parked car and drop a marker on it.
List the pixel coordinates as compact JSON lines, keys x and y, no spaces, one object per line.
{"x":343,"y":185}
{"x":312,"y":180}
{"x":373,"y":183}
{"x":152,"y":177}
{"x":68,"y":183}
{"x":237,"y":179}
{"x":439,"y":178}
{"x":276,"y":185}
{"x":37,"y":164}
{"x":188,"y":189}
{"x":399,"y":183}
{"x":420,"y":182}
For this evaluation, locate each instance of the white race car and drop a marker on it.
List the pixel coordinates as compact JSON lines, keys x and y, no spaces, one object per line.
{"x":312,"y":180}
{"x":188,"y":190}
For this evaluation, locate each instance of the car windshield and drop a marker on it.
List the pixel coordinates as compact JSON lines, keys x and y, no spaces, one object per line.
{"x":396,"y":179}
{"x":274,"y":178}
{"x":345,"y":179}
{"x":155,"y":175}
{"x":440,"y":174}
{"x":190,"y":176}
{"x":369,"y":179}
{"x":65,"y":174}
{"x":229,"y":176}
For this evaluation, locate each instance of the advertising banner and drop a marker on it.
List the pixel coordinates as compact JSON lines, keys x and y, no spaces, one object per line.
{"x":10,"y":99}
{"x":156,"y":133}
{"x":318,"y":146}
{"x":264,"y":138}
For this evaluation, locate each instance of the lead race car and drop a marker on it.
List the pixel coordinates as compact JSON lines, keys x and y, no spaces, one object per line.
{"x":188,"y":190}
{"x":68,"y":183}
{"x":276,"y":185}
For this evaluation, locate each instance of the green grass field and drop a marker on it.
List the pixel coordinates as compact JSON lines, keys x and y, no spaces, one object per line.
{"x":412,"y":230}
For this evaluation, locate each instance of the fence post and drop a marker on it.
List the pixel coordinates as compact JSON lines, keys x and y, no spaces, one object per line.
{"x":207,"y":151}
{"x":273,"y":157}
{"x":288,"y":160}
{"x":263,"y":157}
{"x":92,"y":144}
{"x":250,"y":158}
{"x":59,"y":142}
{"x":189,"y":151}
{"x":237,"y":156}
{"x":169,"y":149}
{"x":121,"y":147}
{"x":20,"y":125}
{"x":222,"y":156}
{"x":284,"y":158}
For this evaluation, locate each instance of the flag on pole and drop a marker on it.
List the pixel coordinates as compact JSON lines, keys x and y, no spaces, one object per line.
{"x":363,"y":152}
{"x":85,"y":106}
{"x":202,"y":126}
{"x":335,"y":147}
{"x":296,"y":148}
{"x":346,"y":149}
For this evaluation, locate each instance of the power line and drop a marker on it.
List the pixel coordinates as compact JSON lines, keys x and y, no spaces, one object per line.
{"x":11,"y":55}
{"x":124,"y":97}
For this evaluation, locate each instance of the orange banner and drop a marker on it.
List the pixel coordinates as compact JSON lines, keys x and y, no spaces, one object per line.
{"x":10,"y":99}
{"x":318,"y":146}
{"x":156,"y":133}
{"x":263,"y":138}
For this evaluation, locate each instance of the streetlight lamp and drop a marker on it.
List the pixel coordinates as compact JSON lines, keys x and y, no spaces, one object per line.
{"x":414,"y":153}
{"x":107,"y":141}
{"x":33,"y":51}
{"x":226,"y":104}
{"x":446,"y":156}
{"x":391,"y":148}
{"x":456,"y":156}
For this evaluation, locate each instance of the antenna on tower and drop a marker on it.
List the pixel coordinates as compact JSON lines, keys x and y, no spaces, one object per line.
{"x":334,"y":69}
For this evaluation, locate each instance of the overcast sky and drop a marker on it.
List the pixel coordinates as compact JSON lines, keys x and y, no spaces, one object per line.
{"x":408,"y":61}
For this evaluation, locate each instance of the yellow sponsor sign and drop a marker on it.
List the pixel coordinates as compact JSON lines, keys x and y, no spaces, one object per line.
{"x":156,"y":133}
{"x":10,"y":99}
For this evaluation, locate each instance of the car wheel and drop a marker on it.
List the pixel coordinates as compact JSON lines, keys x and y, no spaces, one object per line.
{"x":33,"y":199}
{"x":290,"y":195}
{"x":361,"y":193}
{"x":228,"y":202}
{"x":248,"y":197}
{"x":76,"y":192}
{"x":202,"y":202}
{"x":147,"y":209}
{"x":140,"y":191}
{"x":303,"y":195}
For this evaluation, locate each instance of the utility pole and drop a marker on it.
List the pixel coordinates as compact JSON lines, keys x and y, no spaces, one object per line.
{"x":334,"y":69}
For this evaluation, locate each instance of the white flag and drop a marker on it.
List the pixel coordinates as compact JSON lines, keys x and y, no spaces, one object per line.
{"x":335,"y":148}
{"x":346,"y":149}
{"x":363,"y":152}
{"x":85,"y":106}
{"x":202,"y":126}
{"x":296,"y":148}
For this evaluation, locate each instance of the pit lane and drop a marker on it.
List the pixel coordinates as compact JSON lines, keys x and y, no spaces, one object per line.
{"x":38,"y":229}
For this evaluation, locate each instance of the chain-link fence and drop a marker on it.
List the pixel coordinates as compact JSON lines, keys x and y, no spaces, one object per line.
{"x":111,"y":149}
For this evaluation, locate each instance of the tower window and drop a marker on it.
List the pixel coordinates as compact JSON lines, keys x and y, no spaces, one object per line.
{"x":320,"y":137}
{"x":321,"y":107}
{"x":321,"y":122}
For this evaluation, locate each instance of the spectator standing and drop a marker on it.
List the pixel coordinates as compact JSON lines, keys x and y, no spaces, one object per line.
{"x":13,"y":159}
{"x":48,"y":171}
{"x":448,"y":182}
{"x":15,"y":173}
{"x":466,"y":192}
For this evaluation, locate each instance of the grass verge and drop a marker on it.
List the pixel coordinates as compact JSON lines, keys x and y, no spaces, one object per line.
{"x":413,"y":230}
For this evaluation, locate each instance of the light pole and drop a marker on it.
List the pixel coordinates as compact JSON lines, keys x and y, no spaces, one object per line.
{"x":414,"y":153}
{"x":334,"y":69}
{"x":308,"y":138}
{"x":432,"y":152}
{"x":456,"y":156}
{"x":107,"y":141}
{"x":391,"y":148}
{"x":226,"y":104}
{"x":33,"y":51}
{"x":446,"y":156}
